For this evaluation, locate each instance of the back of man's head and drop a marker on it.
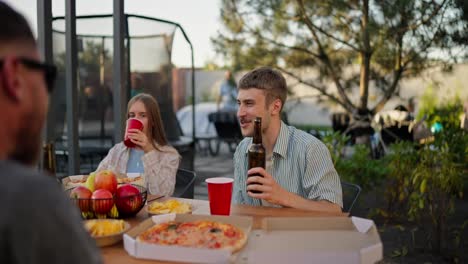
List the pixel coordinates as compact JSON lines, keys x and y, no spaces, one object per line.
{"x":267,"y":79}
{"x":14,"y":30}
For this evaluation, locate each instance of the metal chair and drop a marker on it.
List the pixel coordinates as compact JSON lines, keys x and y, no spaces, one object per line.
{"x":351,"y":193}
{"x":185,"y":184}
{"x":228,"y":129}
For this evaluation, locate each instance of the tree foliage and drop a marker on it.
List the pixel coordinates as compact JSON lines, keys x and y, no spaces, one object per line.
{"x":95,"y":60}
{"x":354,"y":45}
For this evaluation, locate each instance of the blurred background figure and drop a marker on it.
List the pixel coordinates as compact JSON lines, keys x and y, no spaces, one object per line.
{"x":89,"y":103}
{"x":137,"y":84}
{"x":227,"y":98}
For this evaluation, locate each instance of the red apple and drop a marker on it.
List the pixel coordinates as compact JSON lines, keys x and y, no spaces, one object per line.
{"x":102,"y":201}
{"x":128,"y":199}
{"x":105,"y":179}
{"x":82,"y":195}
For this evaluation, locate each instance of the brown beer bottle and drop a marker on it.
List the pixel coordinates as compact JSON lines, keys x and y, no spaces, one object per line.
{"x":256,"y":151}
{"x":49,"y":165}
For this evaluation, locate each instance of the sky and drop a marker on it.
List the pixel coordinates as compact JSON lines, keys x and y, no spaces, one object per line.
{"x":199,"y":18}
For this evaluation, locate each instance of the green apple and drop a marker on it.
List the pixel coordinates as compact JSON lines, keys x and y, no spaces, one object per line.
{"x":90,"y":181}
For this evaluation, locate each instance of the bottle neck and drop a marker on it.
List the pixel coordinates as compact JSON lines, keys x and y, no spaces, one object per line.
{"x":49,"y":164}
{"x":257,"y":137}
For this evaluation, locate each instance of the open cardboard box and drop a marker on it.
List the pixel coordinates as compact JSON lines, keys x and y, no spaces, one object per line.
{"x":182,"y":254}
{"x":280,"y":240}
{"x":313,"y":240}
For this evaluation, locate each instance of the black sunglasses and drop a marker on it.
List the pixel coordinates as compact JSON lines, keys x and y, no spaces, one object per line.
{"x":50,"y":71}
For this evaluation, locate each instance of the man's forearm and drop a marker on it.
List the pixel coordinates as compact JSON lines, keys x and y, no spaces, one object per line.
{"x":298,"y":202}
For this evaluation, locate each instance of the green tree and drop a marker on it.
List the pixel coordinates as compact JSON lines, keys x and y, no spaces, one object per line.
{"x":94,"y":61}
{"x":355,"y":45}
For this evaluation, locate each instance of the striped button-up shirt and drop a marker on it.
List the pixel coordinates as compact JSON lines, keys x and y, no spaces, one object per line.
{"x":301,"y":164}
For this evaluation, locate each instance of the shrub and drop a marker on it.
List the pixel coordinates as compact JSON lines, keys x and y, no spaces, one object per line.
{"x":439,"y":175}
{"x":336,"y":143}
{"x":358,"y":168}
{"x":400,"y":160}
{"x":437,"y":181}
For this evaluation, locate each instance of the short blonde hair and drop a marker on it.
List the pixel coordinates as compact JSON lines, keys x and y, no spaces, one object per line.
{"x":267,"y":79}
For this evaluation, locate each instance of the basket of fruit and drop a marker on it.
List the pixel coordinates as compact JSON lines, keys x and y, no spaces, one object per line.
{"x":102,"y":197}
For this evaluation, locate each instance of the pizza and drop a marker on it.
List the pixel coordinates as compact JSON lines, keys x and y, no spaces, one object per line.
{"x":199,"y":234}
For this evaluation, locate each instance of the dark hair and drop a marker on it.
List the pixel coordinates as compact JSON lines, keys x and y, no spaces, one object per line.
{"x":15,"y":28}
{"x":267,"y":79}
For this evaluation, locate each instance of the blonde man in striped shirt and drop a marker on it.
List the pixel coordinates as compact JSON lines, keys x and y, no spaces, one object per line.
{"x":299,"y":172}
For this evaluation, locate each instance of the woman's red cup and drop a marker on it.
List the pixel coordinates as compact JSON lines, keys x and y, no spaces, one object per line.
{"x":219,"y":194}
{"x":132,"y":123}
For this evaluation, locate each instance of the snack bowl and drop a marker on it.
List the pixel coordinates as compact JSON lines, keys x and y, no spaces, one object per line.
{"x":169,"y":206}
{"x":106,"y":232}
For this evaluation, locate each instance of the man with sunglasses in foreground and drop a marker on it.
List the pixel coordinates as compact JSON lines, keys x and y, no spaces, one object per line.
{"x":38,"y":223}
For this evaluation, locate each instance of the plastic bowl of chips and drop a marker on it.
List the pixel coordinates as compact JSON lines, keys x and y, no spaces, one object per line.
{"x":106,"y":232}
{"x":170,"y":206}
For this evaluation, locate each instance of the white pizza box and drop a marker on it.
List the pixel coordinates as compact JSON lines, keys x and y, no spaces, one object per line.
{"x":182,"y":254}
{"x":313,"y":240}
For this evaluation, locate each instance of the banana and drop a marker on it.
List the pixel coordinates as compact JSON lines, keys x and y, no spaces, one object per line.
{"x":87,"y":215}
{"x":113,"y":213}
{"x":101,"y":216}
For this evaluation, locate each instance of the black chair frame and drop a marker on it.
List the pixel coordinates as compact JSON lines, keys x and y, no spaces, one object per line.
{"x":351,"y":193}
{"x":185,"y":184}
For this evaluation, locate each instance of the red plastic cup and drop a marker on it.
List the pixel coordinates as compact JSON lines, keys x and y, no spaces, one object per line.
{"x":132,"y":123}
{"x":219,"y":194}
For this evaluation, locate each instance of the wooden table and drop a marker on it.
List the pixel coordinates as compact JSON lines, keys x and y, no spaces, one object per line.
{"x":117,"y":254}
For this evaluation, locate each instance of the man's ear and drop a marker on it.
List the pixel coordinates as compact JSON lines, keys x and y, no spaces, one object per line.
{"x":276,"y":107}
{"x":9,"y":78}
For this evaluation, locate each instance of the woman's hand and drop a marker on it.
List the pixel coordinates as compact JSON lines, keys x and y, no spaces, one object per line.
{"x":140,"y":139}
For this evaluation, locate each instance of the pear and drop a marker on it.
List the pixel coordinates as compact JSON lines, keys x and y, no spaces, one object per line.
{"x":90,"y":181}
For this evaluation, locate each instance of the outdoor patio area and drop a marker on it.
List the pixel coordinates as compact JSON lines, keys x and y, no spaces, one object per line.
{"x":349,"y":118}
{"x":207,"y":166}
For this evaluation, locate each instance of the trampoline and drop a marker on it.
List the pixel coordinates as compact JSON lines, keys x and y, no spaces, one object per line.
{"x":148,"y":68}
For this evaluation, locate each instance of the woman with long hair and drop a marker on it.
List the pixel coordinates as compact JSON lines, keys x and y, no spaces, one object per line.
{"x":152,"y":156}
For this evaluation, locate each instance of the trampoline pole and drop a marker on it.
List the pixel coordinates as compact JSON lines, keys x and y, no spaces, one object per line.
{"x":193,"y":102}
